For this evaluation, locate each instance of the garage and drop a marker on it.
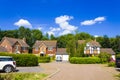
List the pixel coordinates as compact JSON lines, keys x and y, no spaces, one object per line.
{"x":62,"y":55}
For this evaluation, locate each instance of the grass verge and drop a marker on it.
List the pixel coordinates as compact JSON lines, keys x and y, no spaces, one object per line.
{"x":22,"y":76}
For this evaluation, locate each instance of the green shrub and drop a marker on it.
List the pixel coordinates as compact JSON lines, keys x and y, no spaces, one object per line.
{"x":84,"y":60}
{"x":104,"y":57}
{"x":111,"y":64}
{"x":44,"y":59}
{"x":118,"y":55}
{"x":23,"y":59}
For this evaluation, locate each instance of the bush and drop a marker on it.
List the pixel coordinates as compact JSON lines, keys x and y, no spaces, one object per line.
{"x":111,"y":64}
{"x":118,"y":55}
{"x":23,"y":59}
{"x":44,"y":59}
{"x":84,"y":60}
{"x":104,"y":57}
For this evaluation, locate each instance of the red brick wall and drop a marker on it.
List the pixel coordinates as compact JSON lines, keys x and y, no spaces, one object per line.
{"x":11,"y":49}
{"x":47,"y":51}
{"x":51,"y":51}
{"x":14,"y":47}
{"x":35,"y":52}
{"x":6,"y":44}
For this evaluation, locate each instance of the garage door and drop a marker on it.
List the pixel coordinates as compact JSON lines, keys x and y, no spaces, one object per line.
{"x":65,"y":57}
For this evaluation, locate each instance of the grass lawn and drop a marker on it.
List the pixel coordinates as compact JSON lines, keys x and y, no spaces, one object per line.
{"x":22,"y":76}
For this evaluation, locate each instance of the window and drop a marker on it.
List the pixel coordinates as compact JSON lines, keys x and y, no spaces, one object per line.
{"x":95,"y":48}
{"x":23,"y":48}
{"x":36,"y":49}
{"x":6,"y":59}
{"x":50,"y":48}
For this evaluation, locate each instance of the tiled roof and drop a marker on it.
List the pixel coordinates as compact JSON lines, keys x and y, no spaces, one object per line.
{"x":48,"y":43}
{"x":94,"y":43}
{"x":2,"y":49}
{"x":61,"y":51}
{"x":12,"y":41}
{"x":108,"y":50}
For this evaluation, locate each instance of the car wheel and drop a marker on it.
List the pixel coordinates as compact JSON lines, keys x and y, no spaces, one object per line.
{"x":8,"y":69}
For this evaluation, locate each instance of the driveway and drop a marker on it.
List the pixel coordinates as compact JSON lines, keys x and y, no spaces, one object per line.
{"x":29,"y":69}
{"x":67,"y":71}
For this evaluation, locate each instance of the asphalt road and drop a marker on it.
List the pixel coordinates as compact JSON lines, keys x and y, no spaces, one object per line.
{"x":80,"y":71}
{"x":29,"y":69}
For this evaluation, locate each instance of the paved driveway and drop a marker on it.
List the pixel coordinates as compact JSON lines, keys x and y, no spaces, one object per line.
{"x":29,"y":69}
{"x":67,"y":71}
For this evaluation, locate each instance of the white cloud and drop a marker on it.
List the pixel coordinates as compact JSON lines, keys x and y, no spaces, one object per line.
{"x":65,"y":32}
{"x":63,"y":19}
{"x":94,"y":21}
{"x":23,"y":22}
{"x":54,"y":29}
{"x":50,"y":32}
{"x":88,"y":22}
{"x":99,"y":19}
{"x":64,"y":25}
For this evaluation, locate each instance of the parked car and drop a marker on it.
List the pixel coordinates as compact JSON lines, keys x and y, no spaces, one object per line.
{"x":118,"y":62}
{"x":59,"y":59}
{"x":7,"y":64}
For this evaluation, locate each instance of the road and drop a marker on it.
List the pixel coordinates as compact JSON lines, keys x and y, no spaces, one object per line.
{"x":69,"y":71}
{"x":29,"y":69}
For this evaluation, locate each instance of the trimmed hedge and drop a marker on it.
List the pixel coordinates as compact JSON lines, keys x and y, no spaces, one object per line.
{"x":84,"y":60}
{"x":23,"y":59}
{"x":104,"y":57}
{"x":44,"y":59}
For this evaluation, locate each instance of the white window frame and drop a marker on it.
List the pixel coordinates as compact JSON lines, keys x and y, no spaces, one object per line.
{"x":50,"y":48}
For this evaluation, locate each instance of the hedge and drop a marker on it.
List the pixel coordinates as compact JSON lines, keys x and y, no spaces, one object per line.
{"x":44,"y":59}
{"x":104,"y":57}
{"x":84,"y":60}
{"x":23,"y":59}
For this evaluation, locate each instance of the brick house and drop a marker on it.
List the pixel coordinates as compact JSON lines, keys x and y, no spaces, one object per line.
{"x":13,"y":45}
{"x":48,"y":47}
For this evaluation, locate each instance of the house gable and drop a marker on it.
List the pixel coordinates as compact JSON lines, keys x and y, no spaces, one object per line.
{"x":6,"y":44}
{"x":47,"y":47}
{"x":10,"y":42}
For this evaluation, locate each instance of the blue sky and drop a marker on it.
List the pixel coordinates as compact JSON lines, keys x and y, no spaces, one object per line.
{"x":59,"y":17}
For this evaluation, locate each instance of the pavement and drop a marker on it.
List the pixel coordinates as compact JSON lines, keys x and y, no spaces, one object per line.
{"x":67,"y":71}
{"x":29,"y":69}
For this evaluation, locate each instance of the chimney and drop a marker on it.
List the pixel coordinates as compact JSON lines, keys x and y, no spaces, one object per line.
{"x":24,"y":39}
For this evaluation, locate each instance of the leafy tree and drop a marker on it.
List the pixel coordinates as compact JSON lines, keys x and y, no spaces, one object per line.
{"x":80,"y":50}
{"x":61,"y":42}
{"x":52,"y":37}
{"x":71,"y":45}
{"x":84,"y":36}
{"x":45,"y":37}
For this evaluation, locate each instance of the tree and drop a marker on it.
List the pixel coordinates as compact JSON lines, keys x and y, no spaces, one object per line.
{"x":80,"y":50}
{"x":84,"y":36}
{"x":71,"y":45}
{"x":45,"y":37}
{"x":106,"y":42}
{"x":52,"y":37}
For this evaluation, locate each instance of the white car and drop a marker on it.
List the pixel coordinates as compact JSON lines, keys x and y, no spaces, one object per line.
{"x":7,"y":64}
